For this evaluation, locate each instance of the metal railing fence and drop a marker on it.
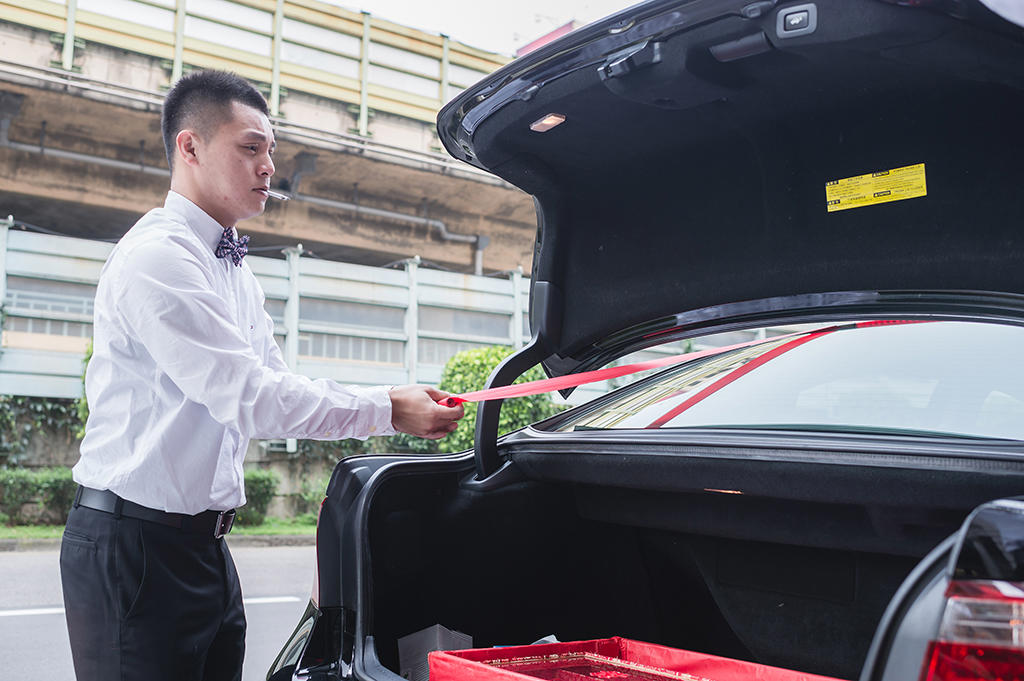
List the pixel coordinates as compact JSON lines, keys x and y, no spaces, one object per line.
{"x":352,"y":323}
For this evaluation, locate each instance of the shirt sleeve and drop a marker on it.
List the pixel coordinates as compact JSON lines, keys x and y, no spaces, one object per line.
{"x":168,"y":302}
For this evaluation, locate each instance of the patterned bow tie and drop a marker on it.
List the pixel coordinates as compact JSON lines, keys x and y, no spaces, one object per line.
{"x":230,"y":247}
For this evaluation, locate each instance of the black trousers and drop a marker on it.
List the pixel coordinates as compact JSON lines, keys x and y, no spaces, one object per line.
{"x":148,"y":601}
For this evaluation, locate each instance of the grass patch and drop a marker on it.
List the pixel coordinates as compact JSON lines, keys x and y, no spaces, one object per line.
{"x":31,"y":531}
{"x":304,"y":524}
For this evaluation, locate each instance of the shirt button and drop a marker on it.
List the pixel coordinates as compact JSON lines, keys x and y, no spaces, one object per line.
{"x":373,"y":429}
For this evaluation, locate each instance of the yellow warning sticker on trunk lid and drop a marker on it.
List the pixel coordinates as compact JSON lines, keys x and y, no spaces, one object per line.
{"x":897,"y":184}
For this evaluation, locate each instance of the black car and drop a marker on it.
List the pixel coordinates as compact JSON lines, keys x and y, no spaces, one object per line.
{"x":835,"y":501}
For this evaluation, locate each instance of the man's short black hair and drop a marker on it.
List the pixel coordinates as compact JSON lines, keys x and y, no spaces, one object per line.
{"x":202,"y":101}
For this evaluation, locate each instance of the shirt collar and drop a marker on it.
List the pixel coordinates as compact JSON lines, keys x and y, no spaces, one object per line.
{"x":208,"y":229}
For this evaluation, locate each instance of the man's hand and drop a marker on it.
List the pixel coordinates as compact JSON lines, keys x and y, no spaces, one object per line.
{"x":414,"y":410}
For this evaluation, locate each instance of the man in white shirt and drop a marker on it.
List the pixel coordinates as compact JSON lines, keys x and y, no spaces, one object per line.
{"x":184,"y":372}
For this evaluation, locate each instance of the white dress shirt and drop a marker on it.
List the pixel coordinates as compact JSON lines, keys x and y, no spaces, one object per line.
{"x":185,"y":371}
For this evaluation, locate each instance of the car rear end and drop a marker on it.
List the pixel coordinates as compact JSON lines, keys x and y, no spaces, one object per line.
{"x":699,"y":168}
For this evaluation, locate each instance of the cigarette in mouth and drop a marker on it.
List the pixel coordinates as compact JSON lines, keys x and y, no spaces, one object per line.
{"x":277,"y":195}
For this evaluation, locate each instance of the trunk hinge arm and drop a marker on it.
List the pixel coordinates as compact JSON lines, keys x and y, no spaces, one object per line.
{"x":546,"y":318}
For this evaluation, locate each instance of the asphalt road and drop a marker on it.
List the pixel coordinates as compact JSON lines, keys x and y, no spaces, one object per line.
{"x":276,"y":583}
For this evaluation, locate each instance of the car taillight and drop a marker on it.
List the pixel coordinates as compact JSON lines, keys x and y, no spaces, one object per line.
{"x":981,"y":637}
{"x":315,"y":596}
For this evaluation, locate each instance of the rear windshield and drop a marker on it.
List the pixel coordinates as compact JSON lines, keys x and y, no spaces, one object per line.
{"x":937,"y":378}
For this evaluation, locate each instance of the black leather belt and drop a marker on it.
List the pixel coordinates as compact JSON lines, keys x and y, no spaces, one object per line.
{"x":215,"y":523}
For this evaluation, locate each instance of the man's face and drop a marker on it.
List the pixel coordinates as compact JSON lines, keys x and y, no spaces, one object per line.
{"x":235,"y":166}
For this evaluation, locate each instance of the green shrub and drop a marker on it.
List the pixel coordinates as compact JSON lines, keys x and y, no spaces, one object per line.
{"x":23,"y":417}
{"x":13,"y":437}
{"x":56,"y":492}
{"x":18,"y":486}
{"x":403,"y":443}
{"x":260,"y":488}
{"x":82,"y":405}
{"x":311,"y":493}
{"x":468,"y":371}
{"x":52,"y":488}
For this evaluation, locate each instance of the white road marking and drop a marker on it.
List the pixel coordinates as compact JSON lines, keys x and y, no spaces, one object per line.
{"x":34,"y":611}
{"x":60,"y":611}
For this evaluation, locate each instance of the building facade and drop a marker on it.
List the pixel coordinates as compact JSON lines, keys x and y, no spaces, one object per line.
{"x":353,"y":102}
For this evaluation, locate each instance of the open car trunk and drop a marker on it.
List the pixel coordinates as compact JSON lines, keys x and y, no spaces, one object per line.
{"x":694,"y":184}
{"x":794,"y":583}
{"x":703,"y":149}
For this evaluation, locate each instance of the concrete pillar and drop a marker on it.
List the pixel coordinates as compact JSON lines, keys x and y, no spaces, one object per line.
{"x":5,"y":227}
{"x":412,"y":321}
{"x":364,"y":78}
{"x":67,"y":57}
{"x":445,"y":55}
{"x":179,"y":40}
{"x":517,"y":307}
{"x":275,"y":73}
{"x":291,"y":321}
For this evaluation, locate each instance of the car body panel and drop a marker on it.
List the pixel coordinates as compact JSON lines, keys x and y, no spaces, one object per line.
{"x":987,"y":548}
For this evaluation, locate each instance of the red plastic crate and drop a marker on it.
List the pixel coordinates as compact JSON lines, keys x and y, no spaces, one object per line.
{"x":606,"y":659}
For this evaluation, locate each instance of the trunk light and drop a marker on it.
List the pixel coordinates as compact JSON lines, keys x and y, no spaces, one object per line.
{"x":548,"y":122}
{"x":982,"y":634}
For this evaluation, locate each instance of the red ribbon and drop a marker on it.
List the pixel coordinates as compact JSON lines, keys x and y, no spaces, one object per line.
{"x":734,"y":375}
{"x":547,"y":385}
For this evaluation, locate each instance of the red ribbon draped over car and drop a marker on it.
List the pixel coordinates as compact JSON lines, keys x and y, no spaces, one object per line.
{"x":547,"y":385}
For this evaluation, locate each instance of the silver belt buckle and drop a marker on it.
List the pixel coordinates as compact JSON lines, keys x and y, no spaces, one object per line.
{"x":225,"y":520}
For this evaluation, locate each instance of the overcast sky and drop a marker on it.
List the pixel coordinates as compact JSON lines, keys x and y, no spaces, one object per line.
{"x":496,"y":25}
